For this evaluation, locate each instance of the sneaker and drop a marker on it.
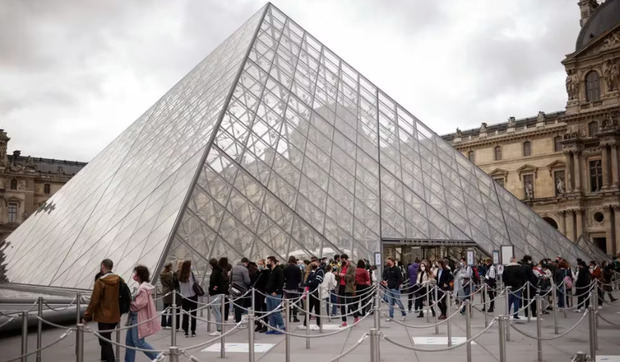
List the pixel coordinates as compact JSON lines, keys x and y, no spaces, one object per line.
{"x":403,"y":318}
{"x":600,"y":307}
{"x":577,"y":310}
{"x":160,"y":357}
{"x":356,"y":319}
{"x":344,"y":324}
{"x":216,"y":333}
{"x":442,"y":317}
{"x":388,"y":319}
{"x":193,"y":334}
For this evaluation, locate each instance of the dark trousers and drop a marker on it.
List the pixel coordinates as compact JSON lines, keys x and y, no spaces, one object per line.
{"x":583,"y":298}
{"x":238,"y":307}
{"x":190,"y":305}
{"x":314,"y":307}
{"x":443,"y":306}
{"x":531,"y":301}
{"x":260,"y":306}
{"x":294,"y":306}
{"x":348,"y":303}
{"x":364,"y":298}
{"x":491,"y":294}
{"x":412,"y":300}
{"x":107,"y":352}
{"x":226,"y":308}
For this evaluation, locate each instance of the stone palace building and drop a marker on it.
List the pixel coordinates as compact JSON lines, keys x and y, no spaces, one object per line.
{"x":26,"y":183}
{"x":565,"y":164}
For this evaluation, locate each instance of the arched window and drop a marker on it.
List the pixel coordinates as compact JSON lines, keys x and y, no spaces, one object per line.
{"x":527,"y":148}
{"x":497,"y":153}
{"x":593,"y":87}
{"x":592,"y":128}
{"x":557,"y":143}
{"x":470,"y":156}
{"x":13,"y":184}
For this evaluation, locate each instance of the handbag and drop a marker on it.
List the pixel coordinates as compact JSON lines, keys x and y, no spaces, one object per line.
{"x":197,"y":288}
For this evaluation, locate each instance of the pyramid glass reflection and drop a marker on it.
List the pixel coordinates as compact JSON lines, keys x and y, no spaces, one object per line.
{"x":272,"y":145}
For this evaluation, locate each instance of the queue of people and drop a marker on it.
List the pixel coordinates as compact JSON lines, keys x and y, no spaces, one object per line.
{"x":342,"y":286}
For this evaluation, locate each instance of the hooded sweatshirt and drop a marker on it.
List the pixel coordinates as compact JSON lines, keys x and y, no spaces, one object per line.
{"x":103,"y":306}
{"x":144,"y":306}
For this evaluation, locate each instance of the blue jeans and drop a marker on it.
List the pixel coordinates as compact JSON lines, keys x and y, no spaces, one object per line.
{"x":334,"y":300}
{"x":275,"y":319}
{"x":216,"y":308}
{"x":561,"y":298}
{"x":514,"y":299}
{"x":393,"y":296}
{"x":132,"y":340}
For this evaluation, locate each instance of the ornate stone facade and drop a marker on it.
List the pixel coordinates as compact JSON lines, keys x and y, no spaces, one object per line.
{"x":26,"y":183}
{"x":565,"y":165}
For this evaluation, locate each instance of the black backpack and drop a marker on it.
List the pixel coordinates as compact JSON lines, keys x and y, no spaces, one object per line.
{"x":124,"y":297}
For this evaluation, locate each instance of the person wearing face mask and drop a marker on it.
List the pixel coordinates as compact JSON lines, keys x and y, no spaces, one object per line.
{"x":462,"y":282}
{"x":314,"y":280}
{"x":392,"y":279}
{"x":218,"y":286}
{"x":424,"y":281}
{"x":490,"y":278}
{"x":141,"y":317}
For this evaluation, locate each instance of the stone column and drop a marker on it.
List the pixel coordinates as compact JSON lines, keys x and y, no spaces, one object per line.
{"x":614,"y":166}
{"x":577,"y":173}
{"x":570,"y":225}
{"x":569,"y":172}
{"x":609,"y":229}
{"x":615,"y":248}
{"x":578,"y":223}
{"x":561,"y":216}
{"x":605,"y":165}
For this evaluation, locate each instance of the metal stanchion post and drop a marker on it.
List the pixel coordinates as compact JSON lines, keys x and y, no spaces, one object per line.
{"x":287,"y":337}
{"x":448,"y":297}
{"x":594,"y":304}
{"x":173,"y":334}
{"x":565,"y":301}
{"x":503,"y":324}
{"x":539,"y":327}
{"x":428,"y":303}
{"x":485,"y":291}
{"x":201,"y":301}
{"x":554,"y":310}
{"x":78,"y":298}
{"x":174,"y":354}
{"x":528,"y":305}
{"x":507,"y":290}
{"x":209,"y":314}
{"x":592,"y":328}
{"x":251,"y":357}
{"x":222,"y":338}
{"x":24,"y":336}
{"x":118,"y":342}
{"x":307,"y":307}
{"x":437,"y":309}
{"x":39,"y":327}
{"x":79,"y":342}
{"x":468,"y":327}
{"x":253,"y":299}
{"x":374,"y":345}
{"x":377,"y":308}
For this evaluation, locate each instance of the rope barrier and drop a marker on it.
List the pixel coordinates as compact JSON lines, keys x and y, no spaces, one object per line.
{"x":351,"y":349}
{"x":556,"y":337}
{"x":62,"y":336}
{"x":473,"y":338}
{"x":608,"y":321}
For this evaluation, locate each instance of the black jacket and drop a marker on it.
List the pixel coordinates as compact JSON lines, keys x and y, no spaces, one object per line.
{"x":218,"y":283}
{"x":393,"y":276}
{"x":275,"y":282}
{"x":292,"y":277}
{"x":315,"y":278}
{"x":445,"y":277}
{"x":261,"y":280}
{"x":583,"y":278}
{"x":514,"y":276}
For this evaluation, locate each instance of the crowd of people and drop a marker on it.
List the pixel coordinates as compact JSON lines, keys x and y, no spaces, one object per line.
{"x":343,"y":287}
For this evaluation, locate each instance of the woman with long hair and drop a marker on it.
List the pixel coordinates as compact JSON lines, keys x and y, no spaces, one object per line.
{"x":142,"y":317}
{"x":189,"y":297}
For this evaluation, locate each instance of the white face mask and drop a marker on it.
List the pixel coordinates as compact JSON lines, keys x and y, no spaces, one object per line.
{"x":423,"y":268}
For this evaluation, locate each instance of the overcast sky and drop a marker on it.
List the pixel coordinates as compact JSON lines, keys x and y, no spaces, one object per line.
{"x":76,"y":73}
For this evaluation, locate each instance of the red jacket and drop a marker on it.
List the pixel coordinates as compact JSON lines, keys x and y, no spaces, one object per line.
{"x":362,"y":277}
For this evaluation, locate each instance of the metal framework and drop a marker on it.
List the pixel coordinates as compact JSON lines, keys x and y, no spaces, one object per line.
{"x":272,"y":145}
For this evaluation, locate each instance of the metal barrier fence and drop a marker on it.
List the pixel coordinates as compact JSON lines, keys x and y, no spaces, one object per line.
{"x":374,"y":296}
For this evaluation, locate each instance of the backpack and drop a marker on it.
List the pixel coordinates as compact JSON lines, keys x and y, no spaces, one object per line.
{"x":475,"y":274}
{"x":124,"y":297}
{"x":568,"y":281}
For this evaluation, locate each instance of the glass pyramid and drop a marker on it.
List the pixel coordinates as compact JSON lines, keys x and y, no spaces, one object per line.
{"x":272,"y":145}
